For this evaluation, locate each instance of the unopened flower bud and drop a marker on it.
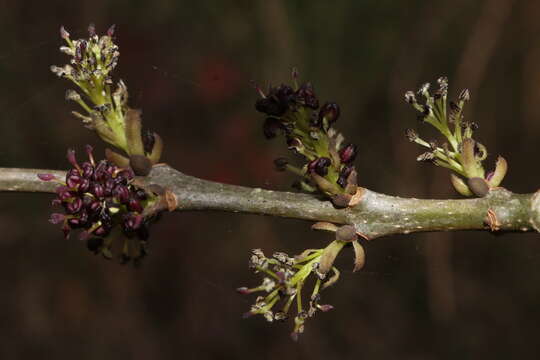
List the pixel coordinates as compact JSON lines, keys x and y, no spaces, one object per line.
{"x":424,"y":89}
{"x":74,"y":206}
{"x":110,"y":31}
{"x":306,"y":96}
{"x":348,"y":153}
{"x":103,"y":230}
{"x":91,"y":29}
{"x":72,"y":95}
{"x":243,"y":290}
{"x":330,"y":112}
{"x":277,"y":102}
{"x":319,"y":166}
{"x":443,"y":85}
{"x":344,"y":174}
{"x":121,"y":193}
{"x":84,"y":185}
{"x":73,"y":181}
{"x":67,"y":50}
{"x":427,"y":156}
{"x":325,"y":307}
{"x":72,"y":160}
{"x":295,"y":145}
{"x":57,"y":218}
{"x":149,"y":140}
{"x":464,"y":95}
{"x":410,"y":97}
{"x":63,"y":33}
{"x":411,"y":135}
{"x":87,"y":170}
{"x":134,"y":205}
{"x":132,"y":222}
{"x":97,"y":190}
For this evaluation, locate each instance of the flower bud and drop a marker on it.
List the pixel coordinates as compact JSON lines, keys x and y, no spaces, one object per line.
{"x":277,"y":102}
{"x":97,"y":190}
{"x":410,"y":97}
{"x":344,"y":175}
{"x":95,"y":207}
{"x":464,"y":95}
{"x":141,"y":194}
{"x":295,"y":145}
{"x":102,"y":231}
{"x":71,"y":158}
{"x":74,"y":206}
{"x":91,"y":30}
{"x":75,"y":223}
{"x":110,"y":31}
{"x":63,"y":33}
{"x":63,"y":193}
{"x":134,"y":205}
{"x":84,"y":185}
{"x":319,"y":166}
{"x":348,"y":153}
{"x":57,"y":218}
{"x":325,"y":307}
{"x":131,"y":222}
{"x":72,"y":95}
{"x":87,"y":170}
{"x":121,"y":193}
{"x":108,"y":187}
{"x":148,"y":140}
{"x":330,"y":112}
{"x":306,"y":96}
{"x":411,"y":135}
{"x":73,"y":181}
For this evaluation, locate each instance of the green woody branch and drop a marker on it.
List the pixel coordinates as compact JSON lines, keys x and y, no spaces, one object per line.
{"x":375,"y":216}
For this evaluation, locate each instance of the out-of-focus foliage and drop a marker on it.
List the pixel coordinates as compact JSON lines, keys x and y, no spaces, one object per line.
{"x":189,"y":66}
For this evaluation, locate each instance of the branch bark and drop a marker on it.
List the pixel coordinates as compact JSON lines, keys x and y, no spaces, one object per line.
{"x":377,"y":214}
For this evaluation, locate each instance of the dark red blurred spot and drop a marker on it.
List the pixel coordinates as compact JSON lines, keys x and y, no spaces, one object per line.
{"x":217,"y":79}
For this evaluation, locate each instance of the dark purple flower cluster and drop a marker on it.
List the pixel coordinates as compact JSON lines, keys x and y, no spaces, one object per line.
{"x":294,"y":112}
{"x":97,"y":196}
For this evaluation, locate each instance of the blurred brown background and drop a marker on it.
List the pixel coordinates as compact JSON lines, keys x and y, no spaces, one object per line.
{"x":188,"y":65}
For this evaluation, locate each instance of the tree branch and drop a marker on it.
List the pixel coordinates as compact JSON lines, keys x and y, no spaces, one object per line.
{"x":377,"y":214}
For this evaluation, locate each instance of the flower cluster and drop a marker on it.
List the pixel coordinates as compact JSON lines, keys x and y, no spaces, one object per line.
{"x":106,"y":109}
{"x":98,"y":196}
{"x":285,"y":277}
{"x":461,"y":153}
{"x":308,"y":129}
